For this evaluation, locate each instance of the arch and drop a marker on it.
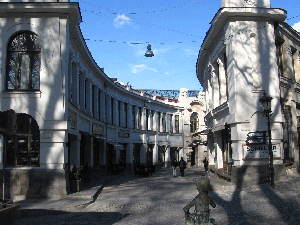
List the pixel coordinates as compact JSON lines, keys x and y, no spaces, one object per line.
{"x":23,"y":62}
{"x":194,"y":122}
{"x":23,"y":149}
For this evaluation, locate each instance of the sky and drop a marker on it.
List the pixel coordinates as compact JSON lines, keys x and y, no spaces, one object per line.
{"x":117,"y":33}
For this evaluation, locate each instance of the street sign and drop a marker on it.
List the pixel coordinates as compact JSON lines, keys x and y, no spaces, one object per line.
{"x":258,"y":137}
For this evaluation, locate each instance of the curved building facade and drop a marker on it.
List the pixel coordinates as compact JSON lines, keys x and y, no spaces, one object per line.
{"x":69,"y":112}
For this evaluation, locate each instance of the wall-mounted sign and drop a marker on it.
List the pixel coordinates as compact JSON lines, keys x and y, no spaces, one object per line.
{"x":258,"y":137}
{"x":97,"y":129}
{"x":123,"y":135}
{"x":260,"y":151}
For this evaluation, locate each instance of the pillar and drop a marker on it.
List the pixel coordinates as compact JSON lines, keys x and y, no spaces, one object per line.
{"x":168,"y":156}
{"x":218,"y":149}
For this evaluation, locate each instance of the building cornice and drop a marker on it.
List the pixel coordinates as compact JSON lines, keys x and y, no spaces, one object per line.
{"x":219,"y":22}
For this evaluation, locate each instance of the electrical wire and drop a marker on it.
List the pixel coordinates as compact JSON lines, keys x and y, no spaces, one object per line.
{"x":136,"y":13}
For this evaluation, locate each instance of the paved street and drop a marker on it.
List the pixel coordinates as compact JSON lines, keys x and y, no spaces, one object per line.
{"x":159,"y":199}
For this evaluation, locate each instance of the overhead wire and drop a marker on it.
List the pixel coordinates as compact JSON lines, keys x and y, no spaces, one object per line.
{"x":136,"y":13}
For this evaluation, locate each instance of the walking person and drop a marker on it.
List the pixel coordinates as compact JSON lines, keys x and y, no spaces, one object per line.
{"x":174,"y":166}
{"x":205,"y":162}
{"x":182,"y":166}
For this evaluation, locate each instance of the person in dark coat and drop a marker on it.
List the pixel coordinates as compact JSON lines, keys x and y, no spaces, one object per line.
{"x":182,"y":166}
{"x":205,"y":162}
{"x":174,"y":165}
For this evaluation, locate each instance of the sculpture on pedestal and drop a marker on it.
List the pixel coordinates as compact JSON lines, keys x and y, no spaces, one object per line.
{"x":201,"y":203}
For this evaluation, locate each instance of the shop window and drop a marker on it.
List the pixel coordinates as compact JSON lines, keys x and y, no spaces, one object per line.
{"x":23,"y":149}
{"x":23,"y":62}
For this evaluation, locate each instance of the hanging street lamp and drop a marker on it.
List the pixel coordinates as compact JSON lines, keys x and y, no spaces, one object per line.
{"x":266,"y":103}
{"x":149,"y":53}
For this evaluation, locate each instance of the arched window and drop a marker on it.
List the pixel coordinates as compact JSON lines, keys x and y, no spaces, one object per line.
{"x":194,"y":122}
{"x":23,"y":149}
{"x":23,"y":62}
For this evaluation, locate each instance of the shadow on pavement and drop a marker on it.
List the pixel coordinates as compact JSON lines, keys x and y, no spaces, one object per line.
{"x":27,"y":213}
{"x":101,"y":218}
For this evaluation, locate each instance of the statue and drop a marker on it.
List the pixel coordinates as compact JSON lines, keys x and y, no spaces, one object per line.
{"x":201,"y":203}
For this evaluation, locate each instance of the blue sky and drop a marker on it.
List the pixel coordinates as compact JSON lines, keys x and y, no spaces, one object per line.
{"x":117,"y":34}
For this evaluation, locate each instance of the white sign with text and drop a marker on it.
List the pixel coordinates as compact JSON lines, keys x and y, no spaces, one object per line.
{"x":260,"y":151}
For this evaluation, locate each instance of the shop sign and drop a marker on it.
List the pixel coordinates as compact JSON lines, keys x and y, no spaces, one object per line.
{"x":123,"y":135}
{"x":97,"y":129}
{"x":260,"y":151}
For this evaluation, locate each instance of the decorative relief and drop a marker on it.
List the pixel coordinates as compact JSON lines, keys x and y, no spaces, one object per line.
{"x":72,"y":118}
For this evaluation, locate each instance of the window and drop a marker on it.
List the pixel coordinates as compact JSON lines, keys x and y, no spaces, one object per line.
{"x":194,"y":122}
{"x":93,"y":100}
{"x":133,"y":117}
{"x":279,"y":54}
{"x":164,"y":122}
{"x":85,"y":93}
{"x":23,"y":62}
{"x":126,"y":114}
{"x":147,"y":119}
{"x":140,"y":119}
{"x":99,"y":103}
{"x":23,"y":149}
{"x":158,"y":122}
{"x":112,"y":110}
{"x":80,"y":89}
{"x":177,"y":124}
{"x":171,"y":123}
{"x":119,"y":112}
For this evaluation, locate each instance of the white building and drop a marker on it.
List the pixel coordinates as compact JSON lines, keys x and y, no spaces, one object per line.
{"x":249,"y":51}
{"x":69,"y":112}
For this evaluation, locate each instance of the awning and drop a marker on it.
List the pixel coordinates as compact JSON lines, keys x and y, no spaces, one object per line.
{"x":214,"y":128}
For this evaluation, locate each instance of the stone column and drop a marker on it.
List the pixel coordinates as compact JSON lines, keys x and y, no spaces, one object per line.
{"x":155,"y":153}
{"x":218,"y":149}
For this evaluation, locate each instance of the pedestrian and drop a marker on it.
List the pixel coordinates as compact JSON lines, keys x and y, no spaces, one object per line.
{"x":182,"y":166}
{"x":174,"y":166}
{"x":205,"y":162}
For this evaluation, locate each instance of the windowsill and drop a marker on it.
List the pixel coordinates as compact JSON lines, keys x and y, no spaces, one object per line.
{"x":21,"y":94}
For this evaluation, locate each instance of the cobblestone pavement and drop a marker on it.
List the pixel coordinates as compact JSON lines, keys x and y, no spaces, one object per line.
{"x":159,"y":200}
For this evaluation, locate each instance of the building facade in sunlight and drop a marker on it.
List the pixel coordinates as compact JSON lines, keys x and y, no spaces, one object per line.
{"x":70,"y":113}
{"x":249,"y":50}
